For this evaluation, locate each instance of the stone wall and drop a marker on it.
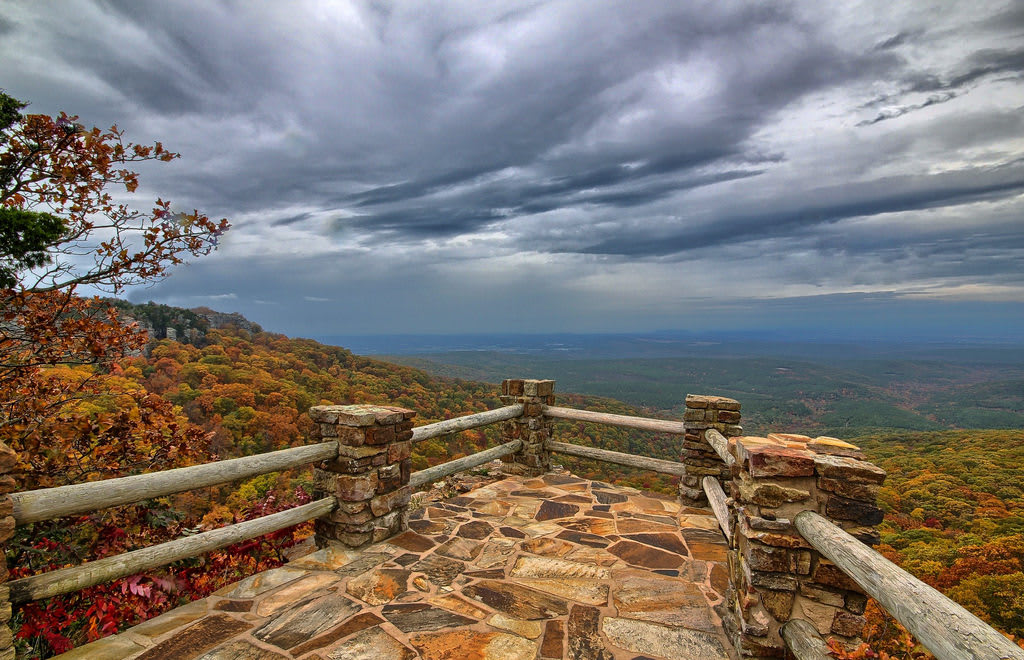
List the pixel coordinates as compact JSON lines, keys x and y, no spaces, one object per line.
{"x":369,"y":478}
{"x":703,"y":413}
{"x":532,"y":427}
{"x":8,"y":463}
{"x":775,"y":574}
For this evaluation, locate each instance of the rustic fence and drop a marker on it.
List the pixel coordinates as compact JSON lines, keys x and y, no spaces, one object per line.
{"x":798,"y":514}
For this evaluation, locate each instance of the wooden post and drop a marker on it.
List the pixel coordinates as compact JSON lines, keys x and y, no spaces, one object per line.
{"x":775,"y":574}
{"x":704,"y":413}
{"x":8,"y":462}
{"x":369,"y":478}
{"x":533,"y":428}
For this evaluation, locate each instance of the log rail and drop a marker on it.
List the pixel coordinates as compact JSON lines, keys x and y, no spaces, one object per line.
{"x":51,"y":503}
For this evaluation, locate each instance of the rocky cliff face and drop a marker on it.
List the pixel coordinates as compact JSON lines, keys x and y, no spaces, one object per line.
{"x":221,"y":319}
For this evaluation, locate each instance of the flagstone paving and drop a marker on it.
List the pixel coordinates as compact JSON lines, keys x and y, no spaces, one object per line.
{"x":544,"y":568}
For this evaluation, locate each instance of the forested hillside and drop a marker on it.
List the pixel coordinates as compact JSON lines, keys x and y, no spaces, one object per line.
{"x":954,"y":504}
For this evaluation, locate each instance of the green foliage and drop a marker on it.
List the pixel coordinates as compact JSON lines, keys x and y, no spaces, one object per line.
{"x":24,"y":238}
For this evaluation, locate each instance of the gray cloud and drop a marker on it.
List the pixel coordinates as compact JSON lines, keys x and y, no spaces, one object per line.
{"x":427,"y":151}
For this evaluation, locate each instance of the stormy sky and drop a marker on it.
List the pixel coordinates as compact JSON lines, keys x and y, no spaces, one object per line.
{"x":422,"y":167}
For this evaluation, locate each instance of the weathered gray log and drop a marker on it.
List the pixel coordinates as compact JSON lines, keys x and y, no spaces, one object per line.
{"x":642,"y":423}
{"x":608,"y":456}
{"x":438,"y":472}
{"x":48,"y":503}
{"x":466,"y":422}
{"x":716,"y":498}
{"x":66,"y":580}
{"x":804,"y":642}
{"x":720,"y":444}
{"x":945,"y":628}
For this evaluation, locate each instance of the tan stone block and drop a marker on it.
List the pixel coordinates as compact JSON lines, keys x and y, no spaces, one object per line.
{"x":766,"y":557}
{"x":773,"y":538}
{"x":399,"y":451}
{"x":512,"y":387}
{"x":766,"y":493}
{"x":786,"y":438}
{"x":729,"y":416}
{"x":777,"y":461}
{"x":853,"y":490}
{"x":856,"y":603}
{"x":351,"y":518}
{"x":350,"y":435}
{"x":380,"y":435}
{"x":778,"y":603}
{"x":749,"y":441}
{"x":819,"y":615}
{"x":353,"y":488}
{"x":800,"y":562}
{"x":834,"y":446}
{"x":862,"y":513}
{"x":538,"y":387}
{"x":359,"y":452}
{"x":848,"y":625}
{"x":7,"y":525}
{"x":696,"y":401}
{"x":831,"y":575}
{"x":7,"y":484}
{"x":8,"y":458}
{"x":388,"y":502}
{"x":694,"y":415}
{"x":842,"y":468}
{"x":389,"y":525}
{"x":821,"y":594}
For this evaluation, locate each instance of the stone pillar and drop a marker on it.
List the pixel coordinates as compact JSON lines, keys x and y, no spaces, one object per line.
{"x":369,"y":478}
{"x":8,"y":462}
{"x":533,"y":428}
{"x":701,"y":460}
{"x":775,"y":574}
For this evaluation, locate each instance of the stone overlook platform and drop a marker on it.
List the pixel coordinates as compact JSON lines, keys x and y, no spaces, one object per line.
{"x":548,"y":567}
{"x":766,"y":550}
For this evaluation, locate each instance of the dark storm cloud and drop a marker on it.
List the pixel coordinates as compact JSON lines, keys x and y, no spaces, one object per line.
{"x":976,"y":67}
{"x":832,"y":205}
{"x":472,"y":142}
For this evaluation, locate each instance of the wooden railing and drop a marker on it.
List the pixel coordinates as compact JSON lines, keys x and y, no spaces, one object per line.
{"x":944,"y":627}
{"x":50,"y":503}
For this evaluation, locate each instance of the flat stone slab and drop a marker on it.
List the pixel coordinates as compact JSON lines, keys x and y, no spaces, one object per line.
{"x":417,"y":617}
{"x":297,"y":625}
{"x":660,"y":641}
{"x":552,"y":567}
{"x":242,"y":650}
{"x":372,"y":644}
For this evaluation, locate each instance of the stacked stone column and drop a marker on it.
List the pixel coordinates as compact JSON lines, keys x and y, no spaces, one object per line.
{"x":775,"y":574}
{"x":370,"y":477}
{"x":701,"y":460}
{"x":8,"y":463}
{"x":533,"y":428}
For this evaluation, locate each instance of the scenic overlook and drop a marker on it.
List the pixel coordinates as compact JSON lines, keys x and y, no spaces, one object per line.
{"x":514,"y":330}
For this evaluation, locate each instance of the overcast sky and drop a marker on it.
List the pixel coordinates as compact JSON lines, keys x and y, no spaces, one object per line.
{"x":566,"y":166}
